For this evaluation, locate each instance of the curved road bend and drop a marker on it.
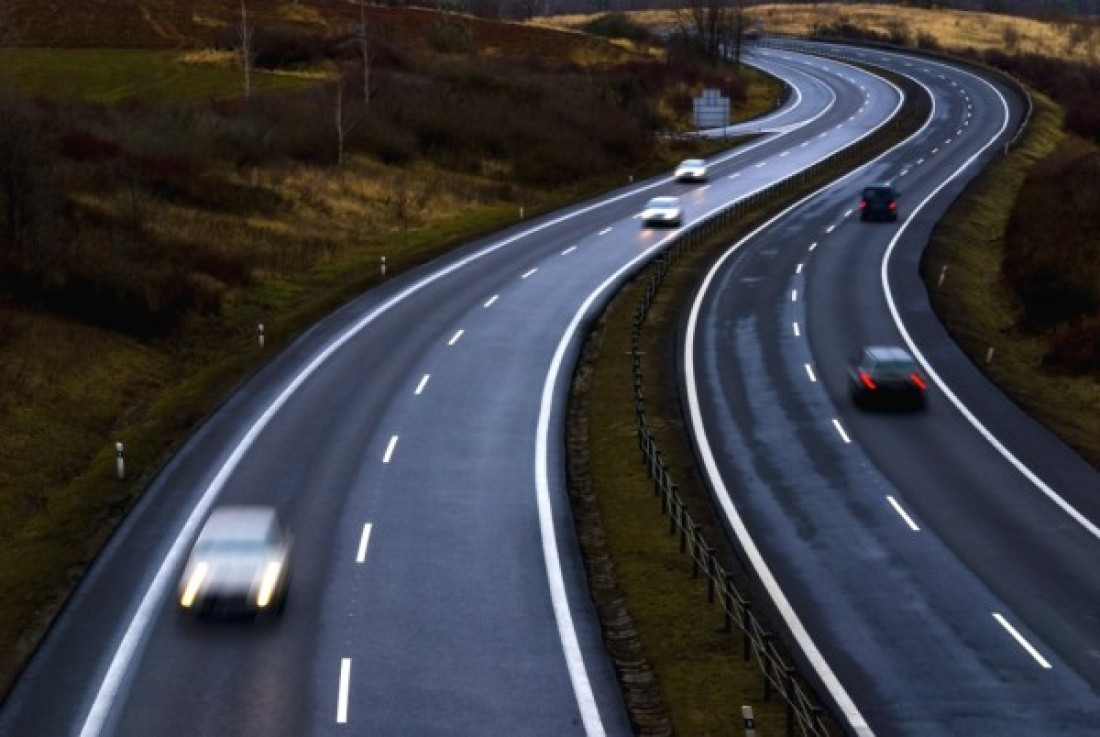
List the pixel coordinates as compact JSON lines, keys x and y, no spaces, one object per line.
{"x":943,"y":585}
{"x":412,"y":440}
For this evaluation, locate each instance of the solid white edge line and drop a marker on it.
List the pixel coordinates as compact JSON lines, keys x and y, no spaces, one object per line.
{"x":364,"y":539}
{"x":840,"y":429}
{"x":423,"y":383}
{"x":1022,"y":641}
{"x":794,"y":623}
{"x":951,"y":396}
{"x":342,"y":693}
{"x":903,"y":514}
{"x":134,"y":634}
{"x":388,"y":456}
{"x":455,"y":337}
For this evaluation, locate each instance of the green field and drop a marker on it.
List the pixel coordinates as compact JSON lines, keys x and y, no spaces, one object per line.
{"x":117,"y":75}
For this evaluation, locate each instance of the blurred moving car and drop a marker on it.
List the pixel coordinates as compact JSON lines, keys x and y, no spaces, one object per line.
{"x":239,"y":564}
{"x":664,"y":211}
{"x":886,"y":376}
{"x":691,"y":170}
{"x":878,"y":202}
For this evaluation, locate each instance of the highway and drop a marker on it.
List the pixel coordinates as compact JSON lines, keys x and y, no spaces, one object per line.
{"x":412,"y":440}
{"x":938,"y":568}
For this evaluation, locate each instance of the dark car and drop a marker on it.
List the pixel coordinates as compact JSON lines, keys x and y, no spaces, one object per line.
{"x":886,"y":376}
{"x":878,"y":202}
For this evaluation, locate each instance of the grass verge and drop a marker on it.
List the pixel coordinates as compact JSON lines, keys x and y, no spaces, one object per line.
{"x":980,"y":311}
{"x":681,"y":671}
{"x":116,"y":75}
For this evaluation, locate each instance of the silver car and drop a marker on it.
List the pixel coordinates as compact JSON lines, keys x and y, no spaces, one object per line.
{"x":663,"y":211}
{"x":691,"y":170}
{"x":239,"y":564}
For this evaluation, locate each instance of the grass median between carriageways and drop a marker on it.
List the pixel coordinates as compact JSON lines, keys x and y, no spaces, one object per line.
{"x":680,"y":669}
{"x":981,"y":312}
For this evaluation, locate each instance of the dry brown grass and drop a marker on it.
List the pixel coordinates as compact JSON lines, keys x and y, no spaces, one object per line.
{"x":955,"y":30}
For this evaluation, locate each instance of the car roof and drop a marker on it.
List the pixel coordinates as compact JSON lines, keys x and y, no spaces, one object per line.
{"x":239,"y":523}
{"x":692,"y":162}
{"x":664,"y":202}
{"x":878,"y":187}
{"x":887,"y":354}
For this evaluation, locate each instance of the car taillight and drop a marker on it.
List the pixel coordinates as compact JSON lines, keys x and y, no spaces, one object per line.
{"x":867,"y":380}
{"x":863,"y":204}
{"x":893,"y":205}
{"x":918,"y":381}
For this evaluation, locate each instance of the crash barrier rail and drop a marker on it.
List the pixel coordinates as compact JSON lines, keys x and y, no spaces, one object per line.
{"x":780,"y":677}
{"x":845,"y":49}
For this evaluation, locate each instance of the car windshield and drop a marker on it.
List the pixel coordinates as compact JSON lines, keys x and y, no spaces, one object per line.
{"x":663,"y":202}
{"x":878,"y":194}
{"x":692,"y":163}
{"x":894,"y":367}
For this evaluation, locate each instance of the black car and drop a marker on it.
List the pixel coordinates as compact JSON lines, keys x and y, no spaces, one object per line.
{"x":878,"y":202}
{"x":886,"y":376}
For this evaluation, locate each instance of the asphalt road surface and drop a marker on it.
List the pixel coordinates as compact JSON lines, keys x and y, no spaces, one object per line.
{"x":938,"y":567}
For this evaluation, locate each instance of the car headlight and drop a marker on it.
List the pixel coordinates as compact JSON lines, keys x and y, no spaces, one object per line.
{"x":269,"y":582}
{"x":194,"y":583}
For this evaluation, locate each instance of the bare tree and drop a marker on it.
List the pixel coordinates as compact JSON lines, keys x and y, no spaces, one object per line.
{"x":364,"y":53}
{"x":247,"y":33}
{"x":712,"y":26}
{"x":348,"y":114}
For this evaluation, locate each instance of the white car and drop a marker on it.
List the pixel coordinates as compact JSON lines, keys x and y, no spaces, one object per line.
{"x":691,"y":170}
{"x":239,"y":564}
{"x":663,"y":211}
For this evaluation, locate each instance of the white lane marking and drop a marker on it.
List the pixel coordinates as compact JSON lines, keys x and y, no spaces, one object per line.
{"x":935,"y":151}
{"x":455,"y":338}
{"x":704,"y":188}
{"x":948,"y":141}
{"x":529,"y":273}
{"x":761,"y":164}
{"x":813,"y":245}
{"x":605,"y":231}
{"x":364,"y":539}
{"x":849,"y":213}
{"x":797,"y":331}
{"x":735,"y":175}
{"x":830,"y":229}
{"x":492,"y":300}
{"x":798,"y":269}
{"x":810,"y":373}
{"x":423,"y":383}
{"x":794,"y":295}
{"x":904,"y":515}
{"x":840,"y":429}
{"x":133,"y":636}
{"x":390,"y":448}
{"x":785,"y":153}
{"x":804,"y":144}
{"x":342,"y":693}
{"x":1022,"y":642}
{"x":920,"y":161}
{"x":824,"y":134}
{"x":903,"y":172}
{"x":959,"y":132}
{"x":891,"y":303}
{"x":568,"y":251}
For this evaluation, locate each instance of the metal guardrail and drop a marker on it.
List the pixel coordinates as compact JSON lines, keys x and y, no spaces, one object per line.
{"x":804,"y":714}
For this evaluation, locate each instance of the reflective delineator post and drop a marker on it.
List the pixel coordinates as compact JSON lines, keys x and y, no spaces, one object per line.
{"x":120,"y":462}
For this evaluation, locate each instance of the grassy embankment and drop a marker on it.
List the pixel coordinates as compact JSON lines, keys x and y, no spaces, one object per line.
{"x":981,"y":308}
{"x":282,"y":240}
